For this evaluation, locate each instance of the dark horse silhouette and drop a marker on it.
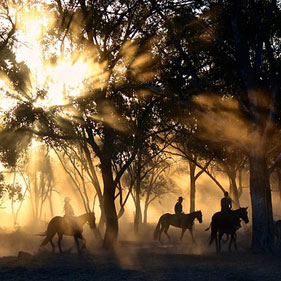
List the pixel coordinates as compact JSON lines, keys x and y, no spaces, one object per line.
{"x":184,"y":221}
{"x":62,"y":226}
{"x":227,"y":223}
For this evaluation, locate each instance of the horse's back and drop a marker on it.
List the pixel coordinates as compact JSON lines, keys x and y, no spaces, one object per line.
{"x":56,"y":219}
{"x":217,"y":216}
{"x":167,"y":215}
{"x":55,"y":224}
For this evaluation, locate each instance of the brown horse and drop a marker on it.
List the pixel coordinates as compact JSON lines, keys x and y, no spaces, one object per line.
{"x":223,"y":223}
{"x":62,"y":226}
{"x":184,"y":221}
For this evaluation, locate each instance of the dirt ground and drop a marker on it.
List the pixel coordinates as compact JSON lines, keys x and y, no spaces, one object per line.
{"x":142,"y":259}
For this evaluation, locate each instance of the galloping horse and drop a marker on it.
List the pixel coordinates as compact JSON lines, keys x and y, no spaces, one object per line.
{"x":228,"y":224}
{"x":62,"y":226}
{"x":185,"y":221}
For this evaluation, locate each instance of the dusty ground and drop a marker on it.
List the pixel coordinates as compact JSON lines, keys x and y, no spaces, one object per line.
{"x":136,"y":260}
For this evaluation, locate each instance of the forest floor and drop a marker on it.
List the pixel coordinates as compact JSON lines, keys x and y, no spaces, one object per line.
{"x":132,"y":259}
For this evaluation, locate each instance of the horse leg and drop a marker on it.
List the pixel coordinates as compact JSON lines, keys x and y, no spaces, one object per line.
{"x":53,"y":245}
{"x":84,"y":242}
{"x":160,"y":233}
{"x":182,"y":233}
{"x":80,"y":236}
{"x":219,"y":242}
{"x":165,"y":231}
{"x":216,"y":240}
{"x":191,"y":233}
{"x":230,"y":242}
{"x":59,"y":242}
{"x":234,"y":240}
{"x":77,"y":244}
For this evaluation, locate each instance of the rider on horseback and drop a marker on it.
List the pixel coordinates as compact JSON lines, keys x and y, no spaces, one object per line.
{"x":69,"y":213}
{"x":178,"y":209}
{"x":178,"y":206}
{"x":226,"y":206}
{"x":226,"y":203}
{"x":68,"y":210}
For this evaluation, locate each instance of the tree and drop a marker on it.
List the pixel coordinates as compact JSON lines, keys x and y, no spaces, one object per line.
{"x":245,"y":110}
{"x":112,"y":117}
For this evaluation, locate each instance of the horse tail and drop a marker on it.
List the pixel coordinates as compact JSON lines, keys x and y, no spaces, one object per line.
{"x":213,"y":233}
{"x":45,"y":241}
{"x":208,"y":227}
{"x":157,"y":230}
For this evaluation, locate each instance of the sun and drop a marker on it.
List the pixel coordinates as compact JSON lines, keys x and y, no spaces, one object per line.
{"x":62,"y":79}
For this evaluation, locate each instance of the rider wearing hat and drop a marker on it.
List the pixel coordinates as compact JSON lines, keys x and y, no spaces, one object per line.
{"x":178,"y":206}
{"x":226,"y":206}
{"x":226,"y":203}
{"x":178,"y":210}
{"x":69,"y":215}
{"x":68,"y":210}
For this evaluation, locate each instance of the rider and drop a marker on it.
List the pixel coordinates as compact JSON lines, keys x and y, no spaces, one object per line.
{"x":226,"y":203}
{"x":178,"y":209}
{"x":68,"y":210}
{"x":69,"y":213}
{"x":178,"y":206}
{"x":226,"y":206}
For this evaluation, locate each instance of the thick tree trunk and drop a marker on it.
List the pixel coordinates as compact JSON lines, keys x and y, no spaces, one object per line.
{"x":96,"y":185}
{"x":262,"y":218}
{"x":111,"y":231}
{"x":192,"y":168}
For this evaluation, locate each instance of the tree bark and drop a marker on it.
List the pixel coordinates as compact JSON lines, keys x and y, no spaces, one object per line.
{"x":262,"y":217}
{"x":138,"y":215}
{"x":111,"y":231}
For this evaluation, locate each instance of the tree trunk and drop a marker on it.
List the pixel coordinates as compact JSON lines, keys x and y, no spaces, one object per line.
{"x":145,"y":211}
{"x":111,"y":231}
{"x":192,"y":168}
{"x":96,"y":185}
{"x":262,"y":217}
{"x":51,"y":204}
{"x":138,"y":215}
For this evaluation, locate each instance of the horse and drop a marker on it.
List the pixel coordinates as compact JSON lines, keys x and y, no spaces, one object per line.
{"x":183,"y":221}
{"x":223,"y":223}
{"x":64,"y":226}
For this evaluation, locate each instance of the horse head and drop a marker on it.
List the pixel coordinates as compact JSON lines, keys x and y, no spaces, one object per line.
{"x":198,"y":215}
{"x":91,"y":220}
{"x":243,"y":214}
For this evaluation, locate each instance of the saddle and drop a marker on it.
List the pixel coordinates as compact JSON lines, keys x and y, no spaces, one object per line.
{"x":179,"y":218}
